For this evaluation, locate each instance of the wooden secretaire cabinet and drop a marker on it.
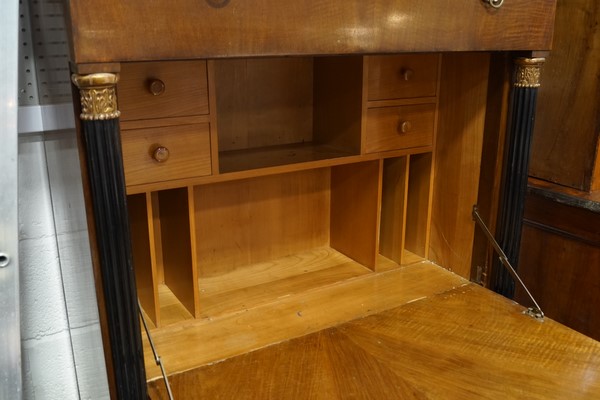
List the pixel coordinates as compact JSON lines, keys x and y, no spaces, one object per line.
{"x":254,"y":168}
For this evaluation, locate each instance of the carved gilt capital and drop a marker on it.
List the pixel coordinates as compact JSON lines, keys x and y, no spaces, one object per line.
{"x":97,"y":95}
{"x":528,"y":72}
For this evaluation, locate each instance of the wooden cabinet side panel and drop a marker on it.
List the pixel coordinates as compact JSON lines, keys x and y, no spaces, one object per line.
{"x":457,"y":158}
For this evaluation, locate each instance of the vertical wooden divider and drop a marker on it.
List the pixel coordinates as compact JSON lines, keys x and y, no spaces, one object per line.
{"x":179,"y":273}
{"x":355,"y":205}
{"x":418,"y":209}
{"x":194,"y":249}
{"x":393,"y":208}
{"x":155,"y":237}
{"x":141,"y":246}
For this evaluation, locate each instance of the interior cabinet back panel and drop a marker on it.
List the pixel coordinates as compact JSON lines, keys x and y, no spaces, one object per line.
{"x":260,"y":219}
{"x":264,"y":102}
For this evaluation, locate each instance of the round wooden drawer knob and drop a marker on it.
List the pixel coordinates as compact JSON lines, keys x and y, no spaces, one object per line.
{"x":161,"y":154}
{"x":157,"y":87}
{"x":405,"y":127}
{"x":407,"y":74}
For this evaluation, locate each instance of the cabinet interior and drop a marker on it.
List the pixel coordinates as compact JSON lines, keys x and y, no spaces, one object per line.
{"x":313,"y":181}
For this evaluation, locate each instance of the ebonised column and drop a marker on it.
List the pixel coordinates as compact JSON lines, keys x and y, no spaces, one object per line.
{"x":520,"y":129}
{"x":102,"y":145}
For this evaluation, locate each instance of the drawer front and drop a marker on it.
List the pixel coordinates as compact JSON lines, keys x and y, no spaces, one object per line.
{"x":402,"y":76}
{"x":394,"y":128}
{"x":186,"y":149}
{"x":149,"y":90}
{"x":128,"y":30}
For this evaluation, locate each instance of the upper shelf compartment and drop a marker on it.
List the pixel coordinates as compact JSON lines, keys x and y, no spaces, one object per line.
{"x":187,"y":29}
{"x":279,"y":111}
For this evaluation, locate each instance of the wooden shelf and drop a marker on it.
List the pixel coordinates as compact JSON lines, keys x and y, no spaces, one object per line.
{"x":272,"y":156}
{"x":268,"y":282}
{"x":201,"y":341}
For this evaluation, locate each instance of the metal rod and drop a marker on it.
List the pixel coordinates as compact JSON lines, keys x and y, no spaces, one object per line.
{"x":535,"y":312}
{"x":156,"y":356}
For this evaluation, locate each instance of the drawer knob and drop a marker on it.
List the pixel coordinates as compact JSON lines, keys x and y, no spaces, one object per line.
{"x":495,"y":3}
{"x":157,"y":87}
{"x":405,"y":126}
{"x":161,"y":154}
{"x":407,"y":74}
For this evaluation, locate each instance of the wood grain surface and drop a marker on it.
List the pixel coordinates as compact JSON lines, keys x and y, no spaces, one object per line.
{"x":219,"y":28}
{"x":464,"y":343}
{"x":193,"y":343}
{"x":457,"y":158}
{"x":567,"y":126}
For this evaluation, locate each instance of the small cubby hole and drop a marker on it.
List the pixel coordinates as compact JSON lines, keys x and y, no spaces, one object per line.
{"x":162,"y":255}
{"x":277,"y":111}
{"x":405,"y":210}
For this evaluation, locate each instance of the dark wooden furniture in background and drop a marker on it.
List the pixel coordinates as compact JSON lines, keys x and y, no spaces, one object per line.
{"x":560,"y":259}
{"x":566,"y":140}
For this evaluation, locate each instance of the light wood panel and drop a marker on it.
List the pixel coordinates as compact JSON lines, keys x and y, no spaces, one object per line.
{"x":393,"y":208}
{"x":463,"y":91}
{"x":282,"y":155}
{"x":185,"y":90}
{"x":264,"y":102}
{"x":171,"y":309}
{"x":355,"y":204}
{"x":466,"y":343}
{"x":269,"y":27}
{"x":254,"y":220}
{"x":193,"y":343}
{"x":268,"y":282}
{"x":145,"y":275}
{"x":179,"y":272}
{"x":338,"y":93}
{"x":418,"y":204}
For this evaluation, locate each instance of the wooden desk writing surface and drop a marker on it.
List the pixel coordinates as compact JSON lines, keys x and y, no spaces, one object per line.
{"x":328,"y":161}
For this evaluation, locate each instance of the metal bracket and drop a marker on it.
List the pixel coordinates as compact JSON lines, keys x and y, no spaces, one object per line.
{"x":535,"y":312}
{"x":156,"y":356}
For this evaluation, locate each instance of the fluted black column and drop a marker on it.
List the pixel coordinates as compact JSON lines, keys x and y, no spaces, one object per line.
{"x":514,"y":187}
{"x":101,"y":141}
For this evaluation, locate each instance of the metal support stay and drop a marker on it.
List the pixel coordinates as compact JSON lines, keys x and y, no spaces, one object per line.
{"x":156,"y":356}
{"x":535,"y":312}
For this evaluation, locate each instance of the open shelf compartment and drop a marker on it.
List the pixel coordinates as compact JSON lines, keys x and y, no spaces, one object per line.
{"x":279,"y":111}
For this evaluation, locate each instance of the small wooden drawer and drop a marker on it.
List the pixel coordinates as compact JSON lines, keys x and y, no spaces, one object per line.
{"x":184,"y":152}
{"x":149,"y":90}
{"x":394,"y":128}
{"x":402,"y":76}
